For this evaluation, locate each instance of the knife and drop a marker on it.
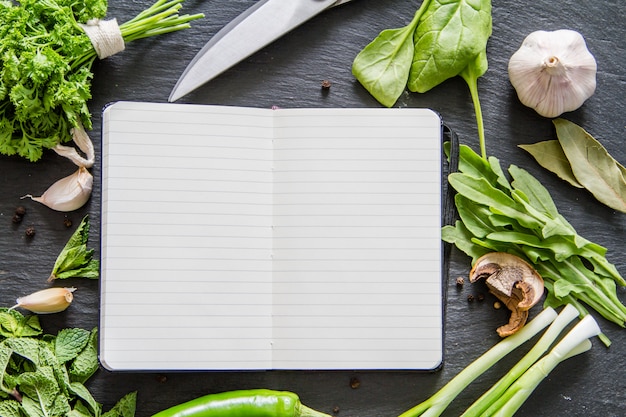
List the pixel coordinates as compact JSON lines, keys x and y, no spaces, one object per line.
{"x":252,"y":30}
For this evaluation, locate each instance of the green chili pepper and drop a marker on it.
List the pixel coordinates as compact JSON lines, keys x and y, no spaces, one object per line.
{"x":243,"y":403}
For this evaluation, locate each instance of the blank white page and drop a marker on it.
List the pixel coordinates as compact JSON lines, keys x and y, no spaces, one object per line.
{"x":186,"y":237}
{"x":247,"y":239}
{"x":357,"y":232}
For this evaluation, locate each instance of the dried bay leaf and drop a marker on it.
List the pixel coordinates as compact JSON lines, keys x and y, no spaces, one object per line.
{"x":592,"y":165}
{"x":549,"y":154}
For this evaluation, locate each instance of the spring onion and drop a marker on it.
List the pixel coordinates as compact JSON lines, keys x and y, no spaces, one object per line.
{"x":575,"y":341}
{"x":566,"y":315}
{"x":510,"y":392}
{"x":436,"y":404}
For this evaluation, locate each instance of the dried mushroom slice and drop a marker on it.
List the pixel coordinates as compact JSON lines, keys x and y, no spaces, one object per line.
{"x":513,"y":281}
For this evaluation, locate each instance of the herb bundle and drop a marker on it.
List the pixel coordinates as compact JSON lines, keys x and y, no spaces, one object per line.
{"x":520,"y":217}
{"x":45,"y":375}
{"x":45,"y":66}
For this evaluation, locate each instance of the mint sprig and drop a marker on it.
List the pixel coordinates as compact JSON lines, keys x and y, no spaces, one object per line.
{"x":46,"y":375}
{"x":76,"y":260}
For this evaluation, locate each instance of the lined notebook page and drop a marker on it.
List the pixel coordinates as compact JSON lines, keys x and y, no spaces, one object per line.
{"x":186,"y":238}
{"x":239,"y":238}
{"x":357,"y":264}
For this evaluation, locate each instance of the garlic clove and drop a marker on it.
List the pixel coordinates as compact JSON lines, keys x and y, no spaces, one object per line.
{"x":553,"y":72}
{"x":84,"y":143}
{"x":51,"y":300}
{"x":69,"y":193}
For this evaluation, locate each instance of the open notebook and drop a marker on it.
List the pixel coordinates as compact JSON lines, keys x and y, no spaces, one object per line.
{"x":255,"y":239}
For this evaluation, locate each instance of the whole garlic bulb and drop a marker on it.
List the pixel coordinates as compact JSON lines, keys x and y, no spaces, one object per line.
{"x":553,"y":72}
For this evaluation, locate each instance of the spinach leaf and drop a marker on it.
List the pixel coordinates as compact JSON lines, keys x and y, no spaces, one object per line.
{"x":383,"y":66}
{"x":451,"y":40}
{"x":450,"y":36}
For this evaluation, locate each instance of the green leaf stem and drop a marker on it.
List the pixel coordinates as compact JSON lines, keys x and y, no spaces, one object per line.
{"x":523,"y":220}
{"x":444,"y":39}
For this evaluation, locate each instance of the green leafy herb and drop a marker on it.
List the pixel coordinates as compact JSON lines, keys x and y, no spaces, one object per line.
{"x":38,"y":372}
{"x":76,"y":260}
{"x":581,"y":160}
{"x":45,"y":66}
{"x":14,"y":324}
{"x":445,"y":39}
{"x":383,"y":66}
{"x":125,"y":407}
{"x":520,"y":217}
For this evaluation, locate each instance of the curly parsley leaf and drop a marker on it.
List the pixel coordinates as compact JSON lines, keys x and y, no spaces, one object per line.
{"x":45,"y":66}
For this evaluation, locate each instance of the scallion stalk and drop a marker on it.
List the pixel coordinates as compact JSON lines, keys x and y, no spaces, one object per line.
{"x":575,"y":341}
{"x":567,"y":314}
{"x":436,"y":404}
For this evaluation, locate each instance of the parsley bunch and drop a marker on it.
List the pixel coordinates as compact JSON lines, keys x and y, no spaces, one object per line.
{"x":45,"y":66}
{"x":45,"y":375}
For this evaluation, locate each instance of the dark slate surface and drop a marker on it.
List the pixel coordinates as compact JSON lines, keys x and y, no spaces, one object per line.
{"x":288,"y":74}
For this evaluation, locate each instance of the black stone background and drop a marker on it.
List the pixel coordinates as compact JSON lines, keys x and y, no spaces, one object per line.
{"x":288,"y":73}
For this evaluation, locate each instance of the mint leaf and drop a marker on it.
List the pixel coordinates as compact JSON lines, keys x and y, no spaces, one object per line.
{"x":76,"y":260}
{"x":82,"y":392}
{"x":42,"y":388}
{"x":25,"y":347}
{"x":10,"y":408}
{"x":5,"y":357}
{"x":125,"y":407}
{"x":48,"y":359}
{"x":14,"y":324}
{"x":81,"y":410}
{"x":45,"y":375}
{"x":86,"y":362}
{"x":69,"y":343}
